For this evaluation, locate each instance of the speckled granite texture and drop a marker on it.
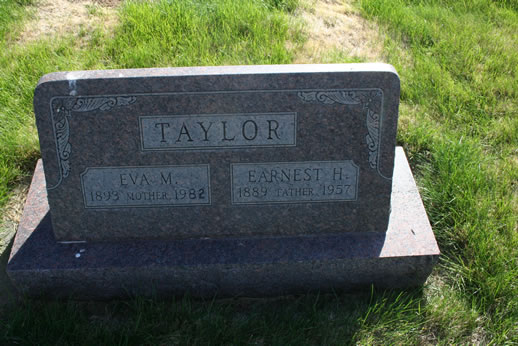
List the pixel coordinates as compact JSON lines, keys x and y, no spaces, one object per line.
{"x":160,"y":153}
{"x":246,"y":266}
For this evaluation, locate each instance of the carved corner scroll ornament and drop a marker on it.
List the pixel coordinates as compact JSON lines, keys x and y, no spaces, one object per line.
{"x":61,"y":109}
{"x":371,"y":103}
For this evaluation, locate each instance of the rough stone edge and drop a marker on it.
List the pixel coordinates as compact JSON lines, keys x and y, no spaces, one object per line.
{"x":216,"y":70}
{"x":404,"y":258}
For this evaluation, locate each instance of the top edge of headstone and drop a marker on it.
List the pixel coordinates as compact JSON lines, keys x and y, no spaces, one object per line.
{"x":216,"y":70}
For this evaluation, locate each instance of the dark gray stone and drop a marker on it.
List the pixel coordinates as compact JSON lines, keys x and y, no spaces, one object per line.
{"x":218,"y":151}
{"x":404,"y":256}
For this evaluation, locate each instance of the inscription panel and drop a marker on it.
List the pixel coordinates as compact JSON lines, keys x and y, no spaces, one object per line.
{"x":181,"y":132}
{"x":294,"y":182}
{"x":115,"y":187}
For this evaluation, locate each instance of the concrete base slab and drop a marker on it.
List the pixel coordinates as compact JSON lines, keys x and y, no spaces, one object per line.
{"x":254,"y":266}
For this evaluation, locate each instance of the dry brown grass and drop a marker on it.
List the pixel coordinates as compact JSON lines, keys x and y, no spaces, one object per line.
{"x":13,"y":209}
{"x":65,"y":17}
{"x":332,"y":26}
{"x":335,"y":26}
{"x":12,"y":212}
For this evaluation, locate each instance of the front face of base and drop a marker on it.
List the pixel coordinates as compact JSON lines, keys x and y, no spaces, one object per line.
{"x":247,"y":266}
{"x":189,"y":156}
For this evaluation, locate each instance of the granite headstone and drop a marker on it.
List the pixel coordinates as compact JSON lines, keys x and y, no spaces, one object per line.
{"x":214,"y":152}
{"x":228,"y":181}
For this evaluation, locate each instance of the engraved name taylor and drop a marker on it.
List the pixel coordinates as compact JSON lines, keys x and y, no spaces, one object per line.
{"x":217,"y":131}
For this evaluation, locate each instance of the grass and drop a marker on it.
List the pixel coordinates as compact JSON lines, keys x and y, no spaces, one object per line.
{"x":14,"y":150}
{"x":458,"y":63}
{"x":190,"y":33}
{"x":310,"y":319}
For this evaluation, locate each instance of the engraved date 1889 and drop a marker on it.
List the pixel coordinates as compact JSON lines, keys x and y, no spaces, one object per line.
{"x":293,"y":182}
{"x":323,"y":190}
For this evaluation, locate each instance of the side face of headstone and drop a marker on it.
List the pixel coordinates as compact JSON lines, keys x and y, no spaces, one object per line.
{"x":220,"y":151}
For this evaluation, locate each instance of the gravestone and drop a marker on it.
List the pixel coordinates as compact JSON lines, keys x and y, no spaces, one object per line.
{"x":255,"y":150}
{"x":242,"y":180}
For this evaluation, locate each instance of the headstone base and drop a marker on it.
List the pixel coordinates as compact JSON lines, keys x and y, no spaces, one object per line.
{"x":255,"y":266}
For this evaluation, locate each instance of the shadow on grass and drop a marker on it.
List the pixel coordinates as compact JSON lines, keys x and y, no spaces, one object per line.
{"x":314,"y":318}
{"x":8,"y":295}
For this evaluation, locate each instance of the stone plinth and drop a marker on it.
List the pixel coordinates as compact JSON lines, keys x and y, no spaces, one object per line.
{"x":402,"y":256}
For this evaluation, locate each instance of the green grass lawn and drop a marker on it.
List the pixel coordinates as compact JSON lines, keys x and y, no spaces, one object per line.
{"x":458,"y":63}
{"x":150,"y":34}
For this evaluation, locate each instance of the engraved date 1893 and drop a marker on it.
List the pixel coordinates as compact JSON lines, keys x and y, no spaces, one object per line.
{"x":177,"y":195}
{"x":108,"y":187}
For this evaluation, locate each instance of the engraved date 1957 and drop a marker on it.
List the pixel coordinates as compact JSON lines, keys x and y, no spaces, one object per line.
{"x":292,"y":182}
{"x":323,"y":190}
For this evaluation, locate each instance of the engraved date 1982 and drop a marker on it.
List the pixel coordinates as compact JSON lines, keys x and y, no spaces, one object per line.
{"x":146,"y":186}
{"x":177,"y":194}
